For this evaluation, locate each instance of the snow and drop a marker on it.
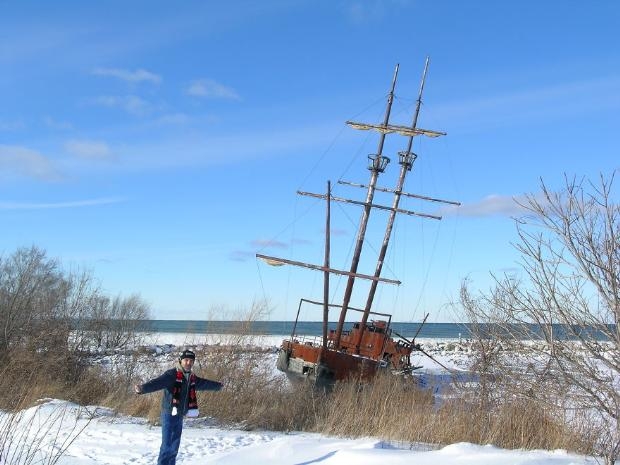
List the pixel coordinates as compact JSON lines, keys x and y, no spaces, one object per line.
{"x":97,"y":436}
{"x":449,"y":353}
{"x":111,"y":440}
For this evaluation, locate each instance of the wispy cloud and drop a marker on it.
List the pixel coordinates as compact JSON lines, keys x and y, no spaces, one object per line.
{"x":208,"y":88}
{"x":268,"y":243}
{"x":10,"y":126}
{"x":361,"y":12}
{"x":543,"y":103}
{"x":55,"y":124}
{"x":21,"y":161}
{"x":137,"y":76}
{"x":173,"y":118}
{"x":241,"y":255}
{"x":364,"y":11}
{"x":491,"y":205}
{"x":301,"y":241}
{"x":198,"y":149}
{"x":45,"y":206}
{"x":132,"y":104}
{"x":88,"y":149}
{"x":256,"y":245}
{"x":339,"y":232}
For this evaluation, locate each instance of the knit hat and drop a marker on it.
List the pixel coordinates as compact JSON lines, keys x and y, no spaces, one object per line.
{"x":187,"y":354}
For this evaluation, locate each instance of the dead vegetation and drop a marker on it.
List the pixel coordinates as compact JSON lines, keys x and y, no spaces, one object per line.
{"x":567,"y":299}
{"x":39,"y":305}
{"x":390,"y":408}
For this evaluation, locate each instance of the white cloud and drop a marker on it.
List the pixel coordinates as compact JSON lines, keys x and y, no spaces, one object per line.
{"x":491,"y":205}
{"x":74,"y":204}
{"x":15,"y":160}
{"x":129,"y":103}
{"x":209,"y":88}
{"x":139,"y":75}
{"x":88,"y":149}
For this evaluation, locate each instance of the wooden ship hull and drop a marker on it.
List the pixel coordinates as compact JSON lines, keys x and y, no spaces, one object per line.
{"x":369,"y":346}
{"x":306,"y":359}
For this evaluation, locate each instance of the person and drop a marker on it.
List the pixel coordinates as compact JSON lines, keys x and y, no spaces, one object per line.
{"x":178,"y":400}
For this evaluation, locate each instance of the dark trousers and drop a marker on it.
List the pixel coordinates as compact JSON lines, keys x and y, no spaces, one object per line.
{"x":171,"y":429}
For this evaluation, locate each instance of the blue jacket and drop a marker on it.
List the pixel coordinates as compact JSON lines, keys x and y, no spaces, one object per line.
{"x":167,"y":380}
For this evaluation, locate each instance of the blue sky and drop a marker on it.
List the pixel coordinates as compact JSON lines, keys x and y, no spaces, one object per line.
{"x":160,"y":144}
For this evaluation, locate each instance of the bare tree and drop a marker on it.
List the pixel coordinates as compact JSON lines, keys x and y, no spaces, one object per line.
{"x":112,"y":324}
{"x":30,"y":286}
{"x":46,"y":314}
{"x":564,"y":313}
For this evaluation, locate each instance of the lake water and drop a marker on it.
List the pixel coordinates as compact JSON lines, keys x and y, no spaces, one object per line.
{"x":314,"y":328}
{"x":309,"y":328}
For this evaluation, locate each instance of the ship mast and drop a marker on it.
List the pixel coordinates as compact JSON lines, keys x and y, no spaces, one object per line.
{"x":406,"y":159}
{"x":326,"y":264}
{"x":377,"y":166}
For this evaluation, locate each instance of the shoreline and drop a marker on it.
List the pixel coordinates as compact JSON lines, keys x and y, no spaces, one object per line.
{"x":450,"y":352}
{"x":179,"y":339}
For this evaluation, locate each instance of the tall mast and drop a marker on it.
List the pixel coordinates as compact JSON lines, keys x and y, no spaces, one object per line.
{"x":406,"y":159}
{"x":326,"y":264}
{"x":377,"y":166}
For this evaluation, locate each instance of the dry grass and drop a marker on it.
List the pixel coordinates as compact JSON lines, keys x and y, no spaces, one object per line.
{"x":383,"y":406}
{"x":253,"y":397}
{"x":393,"y":409}
{"x":518,"y":424}
{"x":390,"y":408}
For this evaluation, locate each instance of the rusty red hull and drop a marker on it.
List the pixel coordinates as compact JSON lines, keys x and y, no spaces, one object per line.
{"x":360,"y":355}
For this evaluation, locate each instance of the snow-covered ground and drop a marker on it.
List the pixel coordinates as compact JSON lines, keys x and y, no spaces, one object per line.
{"x":107,"y":438}
{"x":452,"y":354}
{"x":114,"y":440}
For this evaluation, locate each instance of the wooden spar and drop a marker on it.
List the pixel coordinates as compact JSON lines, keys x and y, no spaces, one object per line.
{"x":326,"y":264}
{"x":392,"y":128}
{"x":372,"y":205}
{"x":406,"y":194}
{"x":376,"y":168}
{"x":284,"y":261}
{"x":407,"y":159}
{"x":314,"y":302}
{"x":414,"y":124}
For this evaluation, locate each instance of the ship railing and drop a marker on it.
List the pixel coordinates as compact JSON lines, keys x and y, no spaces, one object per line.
{"x":305,"y":339}
{"x":318,"y":340}
{"x":387,"y":316}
